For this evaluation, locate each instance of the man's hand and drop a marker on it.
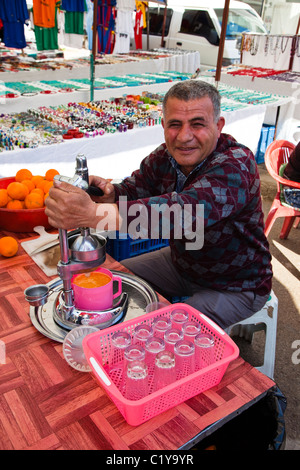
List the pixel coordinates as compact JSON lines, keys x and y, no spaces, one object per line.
{"x":69,"y":207}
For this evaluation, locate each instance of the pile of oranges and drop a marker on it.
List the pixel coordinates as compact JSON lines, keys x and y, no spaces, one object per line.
{"x":27,"y":191}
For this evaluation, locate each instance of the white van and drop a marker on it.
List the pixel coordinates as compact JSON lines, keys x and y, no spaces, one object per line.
{"x":196,"y":25}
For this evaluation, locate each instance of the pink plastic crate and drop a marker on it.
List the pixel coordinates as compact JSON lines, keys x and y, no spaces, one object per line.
{"x":99,"y":353}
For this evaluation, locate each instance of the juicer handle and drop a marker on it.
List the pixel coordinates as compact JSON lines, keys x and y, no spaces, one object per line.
{"x":94,"y":191}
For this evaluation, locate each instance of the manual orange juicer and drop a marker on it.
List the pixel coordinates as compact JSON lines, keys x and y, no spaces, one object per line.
{"x":81,"y":251}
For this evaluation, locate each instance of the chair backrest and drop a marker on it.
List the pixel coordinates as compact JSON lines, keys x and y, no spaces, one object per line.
{"x":277,"y":153}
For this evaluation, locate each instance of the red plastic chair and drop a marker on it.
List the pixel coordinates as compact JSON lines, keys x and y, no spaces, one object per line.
{"x":277,"y":153}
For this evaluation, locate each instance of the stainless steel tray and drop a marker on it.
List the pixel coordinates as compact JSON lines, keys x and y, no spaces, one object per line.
{"x":139,"y":293}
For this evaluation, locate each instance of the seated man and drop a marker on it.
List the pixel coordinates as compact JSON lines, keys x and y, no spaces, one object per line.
{"x":225,"y":270}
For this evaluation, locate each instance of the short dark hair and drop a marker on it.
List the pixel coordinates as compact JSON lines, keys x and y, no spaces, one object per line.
{"x":192,"y":90}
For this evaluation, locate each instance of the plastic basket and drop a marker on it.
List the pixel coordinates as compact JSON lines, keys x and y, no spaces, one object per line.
{"x":122,"y":248}
{"x":99,"y":353}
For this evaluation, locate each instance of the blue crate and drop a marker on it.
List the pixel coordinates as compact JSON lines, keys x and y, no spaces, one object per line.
{"x":122,"y":248}
{"x":266,"y":137}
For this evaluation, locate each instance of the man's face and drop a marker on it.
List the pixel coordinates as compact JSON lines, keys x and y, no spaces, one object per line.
{"x":191,"y":133}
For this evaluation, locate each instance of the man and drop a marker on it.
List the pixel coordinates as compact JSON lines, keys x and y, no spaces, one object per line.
{"x":228,"y":275}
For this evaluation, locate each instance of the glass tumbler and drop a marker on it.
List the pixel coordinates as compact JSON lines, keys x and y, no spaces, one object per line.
{"x":136,"y":381}
{"x":204,"y":350}
{"x":185,"y":358}
{"x":164,"y":370}
{"x":178,"y":317}
{"x":141,"y":333}
{"x":190,"y":330}
{"x":134,"y":352}
{"x":119,"y":342}
{"x":153,"y":346}
{"x":171,"y":337}
{"x":160,"y":325}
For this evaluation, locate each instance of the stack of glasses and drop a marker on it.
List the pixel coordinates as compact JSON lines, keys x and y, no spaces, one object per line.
{"x":158,"y":355}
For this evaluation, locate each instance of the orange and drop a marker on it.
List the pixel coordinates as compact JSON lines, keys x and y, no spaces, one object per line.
{"x":34,"y":201}
{"x":40,"y":184}
{"x":17,"y":190}
{"x":30,"y":185}
{"x":8,"y":246}
{"x":47,"y":186}
{"x":38,"y":191}
{"x":50,"y":174}
{"x":45,"y":197}
{"x":15,"y":204}
{"x":3,"y":197}
{"x":23,"y":175}
{"x":35,"y":179}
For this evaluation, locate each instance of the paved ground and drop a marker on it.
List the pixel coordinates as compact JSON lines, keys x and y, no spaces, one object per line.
{"x":286,"y":285}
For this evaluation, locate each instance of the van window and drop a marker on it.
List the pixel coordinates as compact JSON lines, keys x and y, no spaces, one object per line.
{"x":156,"y":20}
{"x":199,"y":23}
{"x":240,"y":21}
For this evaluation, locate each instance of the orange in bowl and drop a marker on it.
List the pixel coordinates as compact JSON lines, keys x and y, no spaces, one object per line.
{"x":3,"y":197}
{"x":49,"y":175}
{"x":17,"y":190}
{"x":23,"y":174}
{"x":21,"y":220}
{"x":34,"y":201}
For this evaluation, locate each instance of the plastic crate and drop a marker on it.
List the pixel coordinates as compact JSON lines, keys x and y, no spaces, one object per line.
{"x":122,"y":248}
{"x":99,"y":353}
{"x":266,"y":137}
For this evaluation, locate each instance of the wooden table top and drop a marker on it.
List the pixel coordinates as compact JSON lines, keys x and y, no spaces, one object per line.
{"x":43,"y":401}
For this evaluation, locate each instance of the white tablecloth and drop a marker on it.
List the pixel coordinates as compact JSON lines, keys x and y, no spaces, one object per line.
{"x":117,"y":155}
{"x":186,"y":62}
{"x":288,"y":100}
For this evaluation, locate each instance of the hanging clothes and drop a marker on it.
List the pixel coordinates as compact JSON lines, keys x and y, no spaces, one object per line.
{"x":44,"y":13}
{"x":142,"y":7}
{"x":47,"y":38}
{"x":14,"y":14}
{"x":74,"y":22}
{"x":138,"y":29}
{"x":73,"y":5}
{"x":89,"y":22}
{"x":106,"y":26}
{"x":124,"y":26}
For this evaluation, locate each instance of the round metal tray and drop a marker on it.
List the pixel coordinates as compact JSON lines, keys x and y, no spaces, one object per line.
{"x":139,"y":293}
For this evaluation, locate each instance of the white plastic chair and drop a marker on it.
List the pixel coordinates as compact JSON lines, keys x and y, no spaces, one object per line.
{"x":265,"y":319}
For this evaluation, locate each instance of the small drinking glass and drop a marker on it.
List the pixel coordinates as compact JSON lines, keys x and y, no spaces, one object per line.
{"x":160,"y":325}
{"x":190,"y":330}
{"x":134,"y":352}
{"x":141,"y":333}
{"x":119,"y":341}
{"x":153,"y":346}
{"x":185,"y":358}
{"x":178,"y":317}
{"x":204,"y":350}
{"x":164,"y":370}
{"x":136,"y":380}
{"x":156,"y":306}
{"x":171,"y":337}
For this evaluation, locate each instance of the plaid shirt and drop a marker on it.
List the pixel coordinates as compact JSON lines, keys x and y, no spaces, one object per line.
{"x":235,"y":255}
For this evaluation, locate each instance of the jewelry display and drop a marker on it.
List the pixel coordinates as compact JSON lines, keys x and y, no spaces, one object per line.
{"x":274,"y":51}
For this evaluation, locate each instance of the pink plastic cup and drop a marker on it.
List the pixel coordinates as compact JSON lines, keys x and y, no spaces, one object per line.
{"x":96,"y":298}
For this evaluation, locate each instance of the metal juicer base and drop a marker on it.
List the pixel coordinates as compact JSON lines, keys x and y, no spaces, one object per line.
{"x":139,"y":294}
